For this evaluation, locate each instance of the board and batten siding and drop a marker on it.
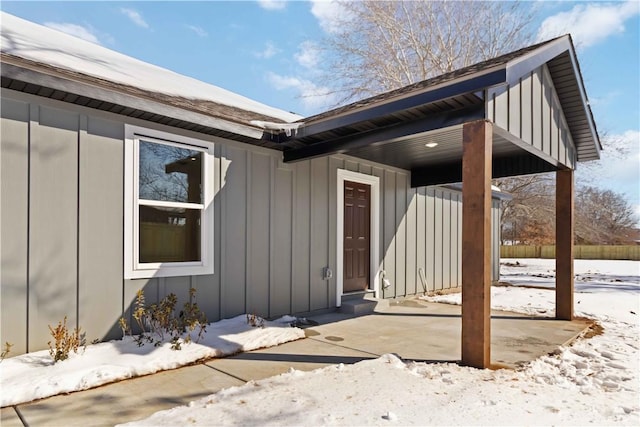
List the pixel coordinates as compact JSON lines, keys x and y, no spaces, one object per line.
{"x":534,"y":100}
{"x":274,"y":227}
{"x":61,"y":222}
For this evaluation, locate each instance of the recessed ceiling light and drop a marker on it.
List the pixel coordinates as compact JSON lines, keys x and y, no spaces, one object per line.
{"x":431,"y":144}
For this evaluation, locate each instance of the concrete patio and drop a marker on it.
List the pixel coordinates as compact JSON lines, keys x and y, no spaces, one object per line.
{"x":412,"y":329}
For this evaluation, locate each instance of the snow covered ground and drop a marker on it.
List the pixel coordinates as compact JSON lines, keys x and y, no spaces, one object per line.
{"x":594,"y":381}
{"x":34,"y":375}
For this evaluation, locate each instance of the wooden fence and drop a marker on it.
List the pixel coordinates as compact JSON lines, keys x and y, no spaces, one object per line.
{"x":579,"y":252}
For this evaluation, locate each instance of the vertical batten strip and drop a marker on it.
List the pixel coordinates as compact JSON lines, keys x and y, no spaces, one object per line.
{"x":270,"y":241}
{"x":247,"y":233}
{"x":82,"y":136}
{"x":222,"y":271}
{"x":34,"y":120}
{"x":292,"y":233}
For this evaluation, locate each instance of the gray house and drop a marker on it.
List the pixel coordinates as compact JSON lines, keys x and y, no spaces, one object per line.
{"x":115,"y":181}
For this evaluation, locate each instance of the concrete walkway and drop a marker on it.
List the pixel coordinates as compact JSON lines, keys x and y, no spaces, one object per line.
{"x":412,"y":329}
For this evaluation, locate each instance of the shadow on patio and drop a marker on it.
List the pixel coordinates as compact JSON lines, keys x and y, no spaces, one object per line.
{"x":412,"y":329}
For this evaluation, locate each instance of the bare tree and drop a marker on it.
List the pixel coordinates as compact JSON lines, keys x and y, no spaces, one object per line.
{"x":528,"y":218}
{"x":616,"y":148}
{"x":385,"y":45}
{"x":603,"y":217}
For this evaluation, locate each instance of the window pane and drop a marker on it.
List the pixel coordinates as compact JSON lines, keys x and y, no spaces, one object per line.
{"x":170,"y":173}
{"x":169,"y":234}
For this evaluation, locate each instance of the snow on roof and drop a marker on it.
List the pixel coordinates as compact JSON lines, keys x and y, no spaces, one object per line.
{"x":35,"y":42}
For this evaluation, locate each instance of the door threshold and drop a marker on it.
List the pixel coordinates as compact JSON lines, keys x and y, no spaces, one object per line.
{"x":358,"y":294}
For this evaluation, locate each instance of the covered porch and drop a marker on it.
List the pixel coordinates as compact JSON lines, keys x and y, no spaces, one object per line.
{"x":522,"y":113}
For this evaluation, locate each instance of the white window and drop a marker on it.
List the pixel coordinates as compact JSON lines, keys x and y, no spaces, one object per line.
{"x":168,"y":205}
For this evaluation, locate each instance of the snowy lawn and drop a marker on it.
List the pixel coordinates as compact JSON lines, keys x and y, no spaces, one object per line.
{"x":593,"y":381}
{"x":34,"y":375}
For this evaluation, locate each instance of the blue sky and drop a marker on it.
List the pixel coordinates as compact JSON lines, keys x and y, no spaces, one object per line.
{"x":267,"y":51}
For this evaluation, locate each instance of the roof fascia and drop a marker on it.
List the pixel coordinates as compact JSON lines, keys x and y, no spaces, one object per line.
{"x":519,"y":67}
{"x":37,"y":77}
{"x":385,"y":135}
{"x":463,"y":85}
{"x":585,"y":99}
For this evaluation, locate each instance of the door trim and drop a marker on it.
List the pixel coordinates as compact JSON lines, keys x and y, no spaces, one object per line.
{"x":374,"y":230}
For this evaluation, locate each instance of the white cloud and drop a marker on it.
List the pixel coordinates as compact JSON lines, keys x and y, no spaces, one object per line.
{"x":198,"y":30}
{"x":135,"y":17}
{"x":272,"y":4}
{"x":314,"y":98}
{"x":618,"y":168}
{"x":84,"y":33}
{"x":589,"y":23}
{"x":308,"y":54}
{"x":269,"y":51}
{"x":331,"y":15}
{"x":605,"y":100}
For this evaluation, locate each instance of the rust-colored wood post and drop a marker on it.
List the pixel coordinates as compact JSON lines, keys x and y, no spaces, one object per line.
{"x":476,"y":243}
{"x":564,"y":244}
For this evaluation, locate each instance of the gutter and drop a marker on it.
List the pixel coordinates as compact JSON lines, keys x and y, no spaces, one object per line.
{"x":288,"y":129}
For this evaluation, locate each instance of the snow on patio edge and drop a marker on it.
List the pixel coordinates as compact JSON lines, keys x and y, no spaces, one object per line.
{"x":34,"y":375}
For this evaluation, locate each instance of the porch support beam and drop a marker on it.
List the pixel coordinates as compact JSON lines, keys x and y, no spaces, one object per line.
{"x":384,"y":135}
{"x":564,"y":244}
{"x":450,"y":173}
{"x":476,"y":243}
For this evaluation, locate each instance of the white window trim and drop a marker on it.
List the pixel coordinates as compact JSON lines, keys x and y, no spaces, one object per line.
{"x":374,"y":232}
{"x":132,"y":268}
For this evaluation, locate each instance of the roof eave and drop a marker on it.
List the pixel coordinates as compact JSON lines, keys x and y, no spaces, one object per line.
{"x":467,"y":84}
{"x":19,"y":71}
{"x":585,"y":100}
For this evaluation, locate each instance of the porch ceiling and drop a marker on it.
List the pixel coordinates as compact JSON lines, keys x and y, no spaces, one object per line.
{"x":399,"y":139}
{"x":411,"y":152}
{"x":442,"y":164}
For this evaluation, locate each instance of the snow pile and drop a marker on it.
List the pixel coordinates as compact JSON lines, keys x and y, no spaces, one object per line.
{"x":42,"y":44}
{"x":594,"y":381}
{"x":383,"y":390}
{"x":34,"y":375}
{"x":590,"y":275}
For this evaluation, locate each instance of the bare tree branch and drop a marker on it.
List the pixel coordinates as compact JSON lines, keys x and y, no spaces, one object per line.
{"x":385,"y":45}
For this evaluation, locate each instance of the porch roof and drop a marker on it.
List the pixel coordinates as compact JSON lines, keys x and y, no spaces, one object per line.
{"x":393,"y":128}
